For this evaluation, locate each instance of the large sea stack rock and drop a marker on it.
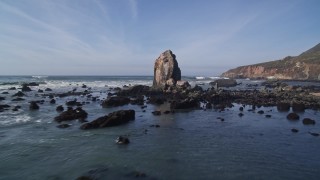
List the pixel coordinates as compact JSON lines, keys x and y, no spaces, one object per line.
{"x":166,"y":70}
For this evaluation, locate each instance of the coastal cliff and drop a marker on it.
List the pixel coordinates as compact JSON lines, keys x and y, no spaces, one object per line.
{"x":306,"y":66}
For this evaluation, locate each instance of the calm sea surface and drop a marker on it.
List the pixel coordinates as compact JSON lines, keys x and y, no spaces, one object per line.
{"x":187,"y":145}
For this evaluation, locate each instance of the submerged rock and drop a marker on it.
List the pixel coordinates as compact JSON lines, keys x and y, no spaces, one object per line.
{"x":166,"y":70}
{"x":62,"y":126}
{"x":314,"y":134}
{"x":113,"y":119}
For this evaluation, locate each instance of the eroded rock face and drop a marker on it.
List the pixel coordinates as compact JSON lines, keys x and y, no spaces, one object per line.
{"x":166,"y":70}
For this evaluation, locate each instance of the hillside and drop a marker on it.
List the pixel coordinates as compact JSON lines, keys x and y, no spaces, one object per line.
{"x":306,"y":66}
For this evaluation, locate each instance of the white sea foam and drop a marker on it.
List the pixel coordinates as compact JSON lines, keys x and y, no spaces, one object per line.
{"x":39,"y":77}
{"x":10,"y":120}
{"x":200,"y":77}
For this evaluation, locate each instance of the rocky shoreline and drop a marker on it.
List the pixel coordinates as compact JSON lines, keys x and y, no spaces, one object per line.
{"x":183,"y":96}
{"x":180,"y":97}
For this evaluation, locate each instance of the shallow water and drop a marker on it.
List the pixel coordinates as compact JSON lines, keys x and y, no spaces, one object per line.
{"x":187,"y":145}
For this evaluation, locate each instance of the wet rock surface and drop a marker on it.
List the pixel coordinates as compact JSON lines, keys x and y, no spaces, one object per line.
{"x":113,"y":119}
{"x":72,"y":114}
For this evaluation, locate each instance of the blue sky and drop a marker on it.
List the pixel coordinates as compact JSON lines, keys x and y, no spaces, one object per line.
{"x":124,"y":37}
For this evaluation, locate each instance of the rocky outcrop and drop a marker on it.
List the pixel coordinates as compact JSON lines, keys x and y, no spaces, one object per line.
{"x":112,"y":119}
{"x":72,"y":114}
{"x":306,"y":66}
{"x":166,"y":70}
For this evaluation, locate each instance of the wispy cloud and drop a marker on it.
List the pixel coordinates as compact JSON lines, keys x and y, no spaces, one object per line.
{"x":125,"y":37}
{"x":134,"y":8}
{"x":57,"y":44}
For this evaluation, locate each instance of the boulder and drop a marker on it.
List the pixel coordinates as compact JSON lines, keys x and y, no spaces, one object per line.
{"x":52,"y":101}
{"x":293,"y":116}
{"x":224,"y":83}
{"x":2,"y":98}
{"x":112,"y":119}
{"x":25,"y":88}
{"x":115,"y":101}
{"x":33,"y":105}
{"x":59,"y":108}
{"x":48,"y":89}
{"x":166,"y":70}
{"x":72,"y":114}
{"x":183,"y":84}
{"x":308,"y":121}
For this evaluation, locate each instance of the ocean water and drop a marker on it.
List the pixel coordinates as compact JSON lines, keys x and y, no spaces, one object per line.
{"x":192,"y":144}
